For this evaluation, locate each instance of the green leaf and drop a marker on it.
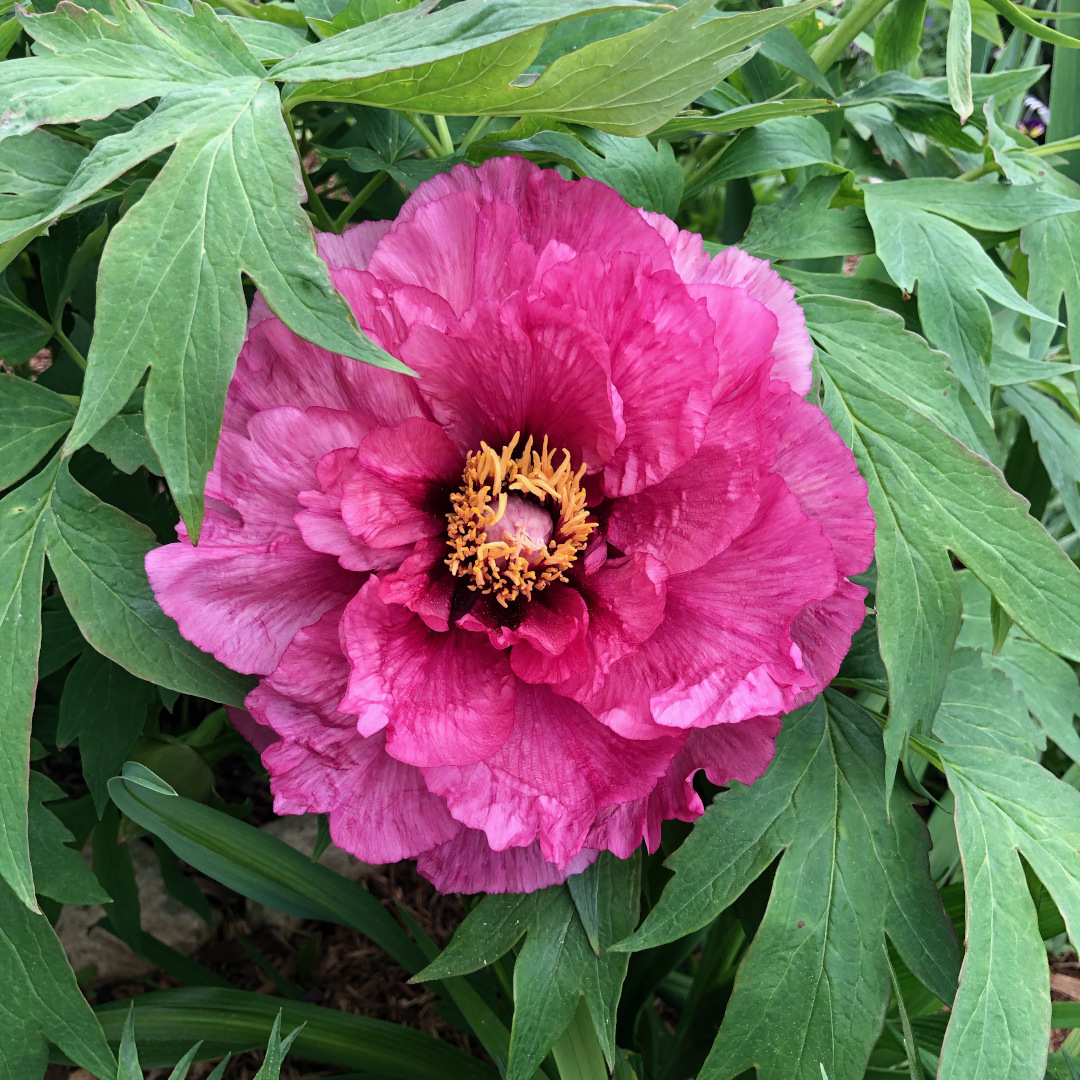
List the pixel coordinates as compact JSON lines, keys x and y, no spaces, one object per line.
{"x":452,"y":48}
{"x":783,"y":47}
{"x":60,"y":637}
{"x":557,"y":967}
{"x":233,"y":1020}
{"x":59,"y":871}
{"x":22,"y":331}
{"x":32,"y":420}
{"x":814,"y":985}
{"x":981,"y":699}
{"x":1007,"y":369}
{"x":898,"y":36}
{"x":1057,"y":435}
{"x":1053,"y":249}
{"x":41,"y":999}
{"x":1022,"y":21}
{"x":931,"y":495}
{"x":801,"y":225}
{"x":104,"y":707}
{"x":1048,"y":684}
{"x":169,"y":290}
{"x":128,"y":1055}
{"x":785,"y":143}
{"x":123,"y":441}
{"x":958,"y":59}
{"x":34,"y":170}
{"x":1006,"y":804}
{"x":97,"y":553}
{"x":743,"y":116}
{"x":953,"y":273}
{"x":642,"y":174}
{"x":23,"y":517}
{"x":255,"y":864}
{"x":268,"y":42}
{"x":627,"y":85}
{"x":410,"y":171}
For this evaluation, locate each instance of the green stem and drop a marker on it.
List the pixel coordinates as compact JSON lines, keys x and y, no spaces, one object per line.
{"x":984,"y":169}
{"x":362,"y":197}
{"x":1061,"y":146}
{"x":425,"y":133}
{"x":315,"y":204}
{"x":577,"y":1051}
{"x":831,"y":47}
{"x":68,"y":135}
{"x":446,"y":140}
{"x":70,"y":349}
{"x":695,"y":178}
{"x":475,"y":131}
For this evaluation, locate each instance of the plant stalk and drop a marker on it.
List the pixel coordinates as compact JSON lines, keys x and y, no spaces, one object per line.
{"x":362,"y":197}
{"x":831,"y":47}
{"x":984,"y":169}
{"x":577,"y":1051}
{"x":446,"y":140}
{"x":425,"y":133}
{"x":475,"y":131}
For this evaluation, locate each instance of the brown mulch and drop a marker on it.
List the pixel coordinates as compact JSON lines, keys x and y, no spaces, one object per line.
{"x":345,"y":971}
{"x":1064,"y":986}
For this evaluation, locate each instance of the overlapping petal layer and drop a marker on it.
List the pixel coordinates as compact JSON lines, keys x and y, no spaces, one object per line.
{"x":503,"y":744}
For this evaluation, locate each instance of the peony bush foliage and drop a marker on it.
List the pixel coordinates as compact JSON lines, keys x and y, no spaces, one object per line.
{"x":618,"y":459}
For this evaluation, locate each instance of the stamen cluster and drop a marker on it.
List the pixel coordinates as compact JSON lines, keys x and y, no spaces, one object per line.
{"x":514,"y":566}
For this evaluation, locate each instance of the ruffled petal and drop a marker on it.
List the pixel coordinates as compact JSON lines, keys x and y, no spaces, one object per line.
{"x":792,"y":351}
{"x":467,"y":864}
{"x":724,"y":651}
{"x":252,"y":582}
{"x":397,"y":493}
{"x":380,"y":809}
{"x":519,"y":367}
{"x":422,"y":583}
{"x":625,"y":602}
{"x":445,"y":698}
{"x":551,"y":776}
{"x":663,"y":359}
{"x":696,"y":512}
{"x":823,"y":632}
{"x":821,"y":472}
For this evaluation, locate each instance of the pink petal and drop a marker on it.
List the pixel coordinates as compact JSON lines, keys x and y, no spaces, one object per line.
{"x":252,"y":582}
{"x":793,"y":350}
{"x":380,"y":809}
{"x":467,"y":864}
{"x":625,"y":600}
{"x":723,"y":652}
{"x":663,"y":359}
{"x":519,"y":367}
{"x":551,"y":776}
{"x":321,"y":524}
{"x":257,"y":734}
{"x":352,"y":249}
{"x":696,"y":512}
{"x":823,"y":632}
{"x":446,"y":698}
{"x":422,"y":583}
{"x":278,"y":368}
{"x":582,"y":214}
{"x":397,"y":493}
{"x":820,"y":470}
{"x":550,"y":640}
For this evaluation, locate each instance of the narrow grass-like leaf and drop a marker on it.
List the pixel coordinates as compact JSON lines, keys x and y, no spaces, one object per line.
{"x":257,"y":865}
{"x":168,"y":1021}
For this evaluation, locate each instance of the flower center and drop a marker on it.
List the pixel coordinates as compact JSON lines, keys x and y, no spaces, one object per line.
{"x":517,"y":523}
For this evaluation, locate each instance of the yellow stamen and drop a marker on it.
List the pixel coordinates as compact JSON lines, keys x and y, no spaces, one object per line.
{"x":513,"y":567}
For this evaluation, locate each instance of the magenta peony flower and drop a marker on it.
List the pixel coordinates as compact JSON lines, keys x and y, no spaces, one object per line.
{"x":506,"y":611}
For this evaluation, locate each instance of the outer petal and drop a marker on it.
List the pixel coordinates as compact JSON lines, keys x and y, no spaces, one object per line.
{"x":380,"y":809}
{"x":820,"y":470}
{"x":447,"y":698}
{"x":467,"y":864}
{"x":546,"y":783}
{"x":792,"y":351}
{"x":823,"y":632}
{"x":422,"y":583}
{"x":582,"y":214}
{"x":696,"y":512}
{"x":519,"y":367}
{"x":252,"y":583}
{"x":278,"y":368}
{"x":663,"y":359}
{"x":724,"y":652}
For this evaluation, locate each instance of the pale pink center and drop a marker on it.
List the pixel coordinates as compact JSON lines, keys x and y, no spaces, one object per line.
{"x":525,"y":526}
